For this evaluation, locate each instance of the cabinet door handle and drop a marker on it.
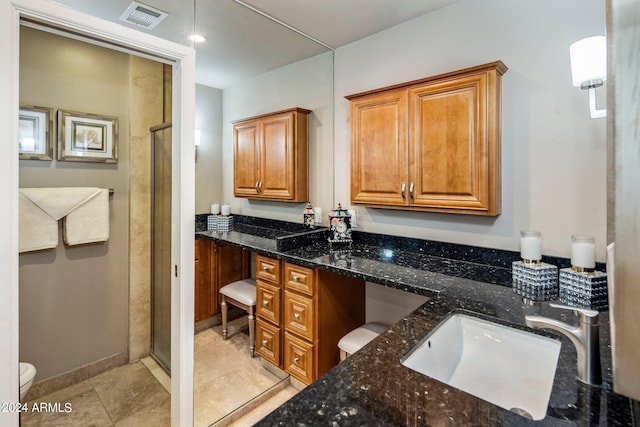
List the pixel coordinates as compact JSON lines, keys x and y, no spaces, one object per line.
{"x":295,"y":278}
{"x":402,"y":190}
{"x":265,"y":268}
{"x":265,"y":303}
{"x":411,"y":190}
{"x":296,"y":360}
{"x":257,"y":186}
{"x":296,"y":316}
{"x":264,"y":343}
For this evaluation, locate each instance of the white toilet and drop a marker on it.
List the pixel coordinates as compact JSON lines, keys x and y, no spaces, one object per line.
{"x":27,"y":374}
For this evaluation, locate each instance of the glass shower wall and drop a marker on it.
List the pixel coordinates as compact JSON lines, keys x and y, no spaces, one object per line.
{"x":161,"y":244}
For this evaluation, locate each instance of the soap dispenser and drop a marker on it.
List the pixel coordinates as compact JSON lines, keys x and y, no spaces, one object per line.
{"x":308,"y":216}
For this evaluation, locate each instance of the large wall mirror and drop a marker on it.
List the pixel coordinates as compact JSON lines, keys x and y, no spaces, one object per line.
{"x":249,"y":65}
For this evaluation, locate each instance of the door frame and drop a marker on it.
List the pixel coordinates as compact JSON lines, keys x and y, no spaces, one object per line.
{"x":183,"y":211}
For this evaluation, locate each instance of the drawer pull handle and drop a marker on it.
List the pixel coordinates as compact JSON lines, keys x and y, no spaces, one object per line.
{"x":265,"y":268}
{"x":264,"y":343}
{"x":296,"y":316}
{"x":295,"y":278}
{"x":296,"y":360}
{"x":265,"y":303}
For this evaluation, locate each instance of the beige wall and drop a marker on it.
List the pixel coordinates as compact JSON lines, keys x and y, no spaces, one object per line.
{"x":554,"y":155}
{"x":306,"y":84}
{"x":74,"y":300}
{"x":209,"y":156}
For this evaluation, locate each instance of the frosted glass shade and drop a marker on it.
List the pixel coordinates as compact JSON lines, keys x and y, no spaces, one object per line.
{"x":588,"y":60}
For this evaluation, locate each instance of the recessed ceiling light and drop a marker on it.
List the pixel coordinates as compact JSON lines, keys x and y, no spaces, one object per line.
{"x":197,"y":38}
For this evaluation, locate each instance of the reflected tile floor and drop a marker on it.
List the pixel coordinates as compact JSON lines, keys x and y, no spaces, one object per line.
{"x":225,"y":378}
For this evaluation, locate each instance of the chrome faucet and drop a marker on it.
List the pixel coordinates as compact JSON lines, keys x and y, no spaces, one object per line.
{"x":585,"y":337}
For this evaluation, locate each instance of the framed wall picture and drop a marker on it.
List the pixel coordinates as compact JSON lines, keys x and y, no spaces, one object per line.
{"x":35,"y":130}
{"x":84,"y":137}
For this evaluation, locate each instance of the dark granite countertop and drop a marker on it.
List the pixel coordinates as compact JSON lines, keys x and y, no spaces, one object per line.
{"x":372,"y":388}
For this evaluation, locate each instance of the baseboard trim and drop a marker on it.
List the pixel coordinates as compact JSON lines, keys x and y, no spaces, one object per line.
{"x":69,"y":378}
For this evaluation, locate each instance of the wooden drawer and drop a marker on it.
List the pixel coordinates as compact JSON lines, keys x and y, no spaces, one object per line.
{"x":268,"y":342}
{"x":299,"y":358}
{"x":268,"y":302}
{"x":299,"y":315}
{"x":268,"y":269}
{"x":299,"y":279}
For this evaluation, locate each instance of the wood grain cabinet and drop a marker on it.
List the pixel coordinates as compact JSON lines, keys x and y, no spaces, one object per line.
{"x":216,"y":265}
{"x":432,"y":144}
{"x":268,"y":309}
{"x":271,"y":156}
{"x":318,"y":308}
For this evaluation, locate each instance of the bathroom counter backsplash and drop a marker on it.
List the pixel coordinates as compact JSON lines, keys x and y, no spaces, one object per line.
{"x":409,"y":264}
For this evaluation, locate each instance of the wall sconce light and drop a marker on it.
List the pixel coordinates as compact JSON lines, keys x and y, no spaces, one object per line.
{"x":196,"y":141}
{"x":589,"y":68}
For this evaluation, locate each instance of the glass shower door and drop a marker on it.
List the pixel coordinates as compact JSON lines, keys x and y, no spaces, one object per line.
{"x":161,"y":244}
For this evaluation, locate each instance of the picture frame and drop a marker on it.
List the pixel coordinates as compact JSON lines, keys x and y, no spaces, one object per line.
{"x":35,"y":133}
{"x":86,"y":137}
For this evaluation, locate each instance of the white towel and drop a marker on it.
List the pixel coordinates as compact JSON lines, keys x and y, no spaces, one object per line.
{"x":36,"y":229}
{"x":43,"y":207}
{"x":57,"y":202}
{"x":89,"y":222}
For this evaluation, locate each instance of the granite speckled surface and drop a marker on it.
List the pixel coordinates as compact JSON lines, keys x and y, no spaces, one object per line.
{"x":372,"y":388}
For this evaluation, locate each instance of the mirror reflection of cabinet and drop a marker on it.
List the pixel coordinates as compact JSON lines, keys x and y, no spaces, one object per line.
{"x":271,"y":156}
{"x":216,"y":265}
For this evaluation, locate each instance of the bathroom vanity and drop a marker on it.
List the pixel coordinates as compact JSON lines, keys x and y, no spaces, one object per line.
{"x":373,"y":387}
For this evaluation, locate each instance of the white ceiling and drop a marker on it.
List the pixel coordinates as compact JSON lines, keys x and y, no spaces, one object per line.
{"x":243,"y":43}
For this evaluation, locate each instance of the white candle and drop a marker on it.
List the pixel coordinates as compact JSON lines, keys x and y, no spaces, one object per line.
{"x":226,"y":210}
{"x":215,"y":208}
{"x":530,"y":245}
{"x":583,"y":251}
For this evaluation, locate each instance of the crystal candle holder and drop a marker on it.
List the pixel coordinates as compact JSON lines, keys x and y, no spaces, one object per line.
{"x":212,"y":222}
{"x":535,"y":281}
{"x":584,"y":289}
{"x":225,"y":224}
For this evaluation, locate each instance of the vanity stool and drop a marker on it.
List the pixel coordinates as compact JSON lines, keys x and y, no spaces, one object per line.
{"x":359,"y":337}
{"x":241,"y":293}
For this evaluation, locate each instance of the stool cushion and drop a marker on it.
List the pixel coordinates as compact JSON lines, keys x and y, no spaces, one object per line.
{"x":243,"y":291}
{"x":361,"y":336}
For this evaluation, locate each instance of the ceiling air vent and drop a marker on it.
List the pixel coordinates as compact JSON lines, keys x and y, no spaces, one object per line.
{"x":143,"y":16}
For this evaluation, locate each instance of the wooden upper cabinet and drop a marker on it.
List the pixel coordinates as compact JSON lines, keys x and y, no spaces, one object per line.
{"x":432,"y":144}
{"x":379,"y":148}
{"x":246,"y":174}
{"x":271,"y":156}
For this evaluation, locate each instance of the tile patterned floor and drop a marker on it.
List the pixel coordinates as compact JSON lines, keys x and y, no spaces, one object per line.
{"x":137,"y":395}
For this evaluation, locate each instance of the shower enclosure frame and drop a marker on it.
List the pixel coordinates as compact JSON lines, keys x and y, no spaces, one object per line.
{"x":162,"y":362}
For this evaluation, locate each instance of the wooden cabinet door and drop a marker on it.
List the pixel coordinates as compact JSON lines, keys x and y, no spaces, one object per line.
{"x":268,"y":342}
{"x":277,"y":157}
{"x":247,"y":158}
{"x":299,"y":358}
{"x":450,"y":149}
{"x":271,"y":156}
{"x":379,"y":149}
{"x":202,"y":307}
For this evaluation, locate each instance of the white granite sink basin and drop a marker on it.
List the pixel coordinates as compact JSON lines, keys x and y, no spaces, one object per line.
{"x":508,"y":367}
